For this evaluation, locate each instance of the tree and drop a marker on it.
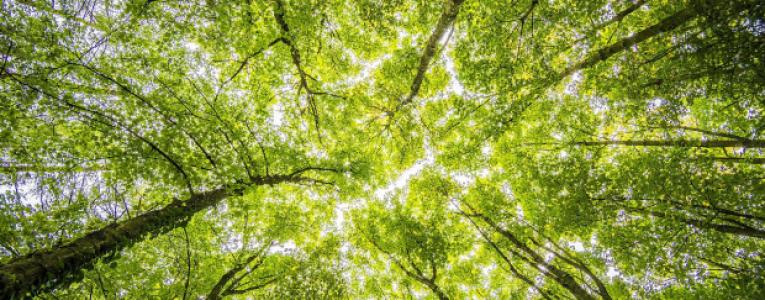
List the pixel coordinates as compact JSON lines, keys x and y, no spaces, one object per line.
{"x":520,"y":248}
{"x":504,"y":149}
{"x":415,"y":235}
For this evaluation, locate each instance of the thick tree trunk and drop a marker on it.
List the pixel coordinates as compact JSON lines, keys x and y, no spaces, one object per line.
{"x":735,"y":230}
{"x":228,"y":282}
{"x":220,"y":286}
{"x":620,"y":16}
{"x":506,"y":259}
{"x":579,"y":265}
{"x":447,"y":18}
{"x":694,"y":9}
{"x":742,"y":160}
{"x":617,"y":18}
{"x":664,"y":25}
{"x":10,"y":168}
{"x":680,"y":143}
{"x":55,"y":266}
{"x":570,"y":259}
{"x":563,"y":278}
{"x":52,"y":267}
{"x":436,"y":290}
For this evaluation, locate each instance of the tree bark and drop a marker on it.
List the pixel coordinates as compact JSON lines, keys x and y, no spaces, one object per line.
{"x":667,"y":24}
{"x":417,"y":275}
{"x":700,"y":130}
{"x":743,"y":160}
{"x":563,"y":278}
{"x":59,"y":265}
{"x":679,"y":143}
{"x":217,"y":290}
{"x":620,"y":16}
{"x":447,"y":18}
{"x":436,"y":290}
{"x":506,"y":259}
{"x":230,"y":277}
{"x":10,"y":168}
{"x":576,"y":263}
{"x":735,"y":230}
{"x":219,"y":287}
{"x":52,"y":267}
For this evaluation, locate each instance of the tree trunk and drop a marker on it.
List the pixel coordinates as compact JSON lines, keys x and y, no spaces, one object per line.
{"x":220,"y":286}
{"x":230,"y":277}
{"x":618,"y":18}
{"x":579,"y":265}
{"x":52,"y":267}
{"x":742,"y":160}
{"x":447,"y":18}
{"x":694,"y":9}
{"x":55,"y":266}
{"x":563,"y":278}
{"x":11,"y":168}
{"x":680,"y":143}
{"x":664,"y":25}
{"x":506,"y":259}
{"x":571,"y":259}
{"x":436,"y":290}
{"x":735,"y":230}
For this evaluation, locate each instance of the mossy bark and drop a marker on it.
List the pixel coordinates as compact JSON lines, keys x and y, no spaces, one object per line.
{"x":49,"y":268}
{"x":52,"y":267}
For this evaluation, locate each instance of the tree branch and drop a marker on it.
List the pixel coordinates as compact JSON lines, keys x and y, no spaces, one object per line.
{"x":451,"y":10}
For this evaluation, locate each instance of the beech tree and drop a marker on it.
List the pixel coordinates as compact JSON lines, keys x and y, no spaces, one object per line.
{"x":449,"y":149}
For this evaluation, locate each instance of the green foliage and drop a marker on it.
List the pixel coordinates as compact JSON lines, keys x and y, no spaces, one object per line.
{"x":638,"y":174}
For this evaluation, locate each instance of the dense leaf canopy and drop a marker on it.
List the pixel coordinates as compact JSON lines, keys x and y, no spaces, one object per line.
{"x":382,"y":149}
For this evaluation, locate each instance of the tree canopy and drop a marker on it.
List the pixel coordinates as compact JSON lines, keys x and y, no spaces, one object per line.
{"x":382,"y":149}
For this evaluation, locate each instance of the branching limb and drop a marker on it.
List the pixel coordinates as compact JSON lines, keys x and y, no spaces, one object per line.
{"x":286,"y":39}
{"x":616,"y":19}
